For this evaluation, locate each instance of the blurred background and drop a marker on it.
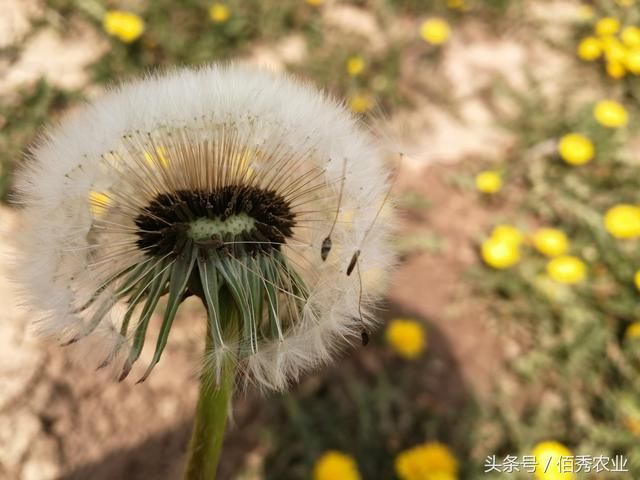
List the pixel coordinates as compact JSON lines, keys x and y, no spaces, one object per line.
{"x":511,"y":328}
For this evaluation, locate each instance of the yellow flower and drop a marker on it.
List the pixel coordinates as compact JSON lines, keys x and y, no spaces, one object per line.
{"x":219,"y":13}
{"x":550,"y":242}
{"x":126,"y":26}
{"x":589,"y":48}
{"x":335,"y":465}
{"x":636,"y":279}
{"x":631,"y":36}
{"x":607,"y":26}
{"x":489,"y":181}
{"x":315,"y":3}
{"x":355,"y":65}
{"x":633,"y":425}
{"x":610,"y":113}
{"x":613,"y":49}
{"x":457,"y":4}
{"x":549,"y":465}
{"x":632,"y":331}
{"x":407,"y":337}
{"x":429,"y":461}
{"x":623,"y":221}
{"x":499,"y":253}
{"x":575,"y":149}
{"x":625,"y":3}
{"x":632,"y":61}
{"x":435,"y":31}
{"x":360,"y":103}
{"x":508,"y":234}
{"x":616,"y":70}
{"x":567,"y":269}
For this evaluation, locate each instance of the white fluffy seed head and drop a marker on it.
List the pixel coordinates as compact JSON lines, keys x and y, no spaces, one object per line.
{"x":203,"y":131}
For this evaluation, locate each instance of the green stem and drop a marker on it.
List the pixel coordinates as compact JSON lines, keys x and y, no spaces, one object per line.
{"x":211,"y":413}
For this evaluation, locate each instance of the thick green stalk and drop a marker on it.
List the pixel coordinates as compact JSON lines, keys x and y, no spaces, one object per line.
{"x":212,"y":411}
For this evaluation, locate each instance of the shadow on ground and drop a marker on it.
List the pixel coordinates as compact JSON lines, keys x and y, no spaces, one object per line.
{"x":356,"y":405}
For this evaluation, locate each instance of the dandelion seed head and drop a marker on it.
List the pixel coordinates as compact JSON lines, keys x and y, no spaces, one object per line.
{"x":221,"y":181}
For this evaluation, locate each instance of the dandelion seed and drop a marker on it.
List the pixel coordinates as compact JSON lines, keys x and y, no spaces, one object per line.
{"x":218,"y":183}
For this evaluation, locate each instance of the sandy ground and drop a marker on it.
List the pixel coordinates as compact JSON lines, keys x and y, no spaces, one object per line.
{"x":60,"y":420}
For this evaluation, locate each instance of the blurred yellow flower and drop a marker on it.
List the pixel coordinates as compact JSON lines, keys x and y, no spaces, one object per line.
{"x":549,"y":465}
{"x":623,"y":221}
{"x":636,"y":279}
{"x":126,"y":26}
{"x":429,"y":461}
{"x":355,"y":65}
{"x":616,"y":70}
{"x":632,"y":331}
{"x":333,"y":465}
{"x":550,"y":242}
{"x":457,"y":4}
{"x":360,"y":103}
{"x":508,"y":234}
{"x":633,"y":425}
{"x":613,"y":49}
{"x":566,"y":269}
{"x":219,"y":13}
{"x":435,"y":31}
{"x":631,"y":36}
{"x":589,"y":48}
{"x":632,"y":61}
{"x":575,"y":149}
{"x":607,"y":26}
{"x":499,"y":253}
{"x":610,"y":113}
{"x":625,"y":3}
{"x":315,"y":3}
{"x":489,"y":181}
{"x":407,"y":337}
